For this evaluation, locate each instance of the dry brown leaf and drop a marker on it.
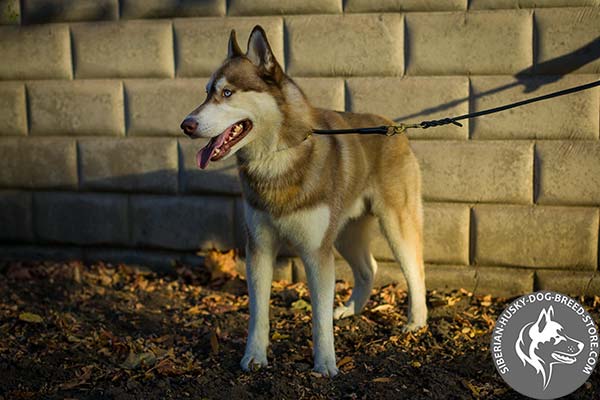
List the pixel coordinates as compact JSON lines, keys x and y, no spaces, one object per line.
{"x":221,"y":264}
{"x":344,"y":361}
{"x":383,"y":307}
{"x":381,"y":380}
{"x":214,"y":342}
{"x":279,"y":336}
{"x":31,"y":317}
{"x":135,"y":360}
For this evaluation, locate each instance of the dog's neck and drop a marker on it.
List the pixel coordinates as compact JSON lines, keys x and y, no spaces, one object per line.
{"x":285,"y":133}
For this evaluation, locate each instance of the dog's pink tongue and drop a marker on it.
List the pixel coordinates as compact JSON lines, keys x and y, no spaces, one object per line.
{"x":203,"y":156}
{"x":205,"y":153}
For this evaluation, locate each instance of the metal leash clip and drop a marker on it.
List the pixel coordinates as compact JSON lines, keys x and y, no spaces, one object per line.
{"x":399,"y":129}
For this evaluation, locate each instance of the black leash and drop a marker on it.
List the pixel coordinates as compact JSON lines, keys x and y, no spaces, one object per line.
{"x":390,"y":130}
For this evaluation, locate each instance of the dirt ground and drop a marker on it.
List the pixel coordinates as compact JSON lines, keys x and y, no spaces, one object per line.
{"x":73,"y":331}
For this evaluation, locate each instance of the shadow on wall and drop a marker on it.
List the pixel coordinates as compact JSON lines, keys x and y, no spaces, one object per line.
{"x":144,"y":211}
{"x":37,"y":12}
{"x":46,"y":11}
{"x":566,"y":64}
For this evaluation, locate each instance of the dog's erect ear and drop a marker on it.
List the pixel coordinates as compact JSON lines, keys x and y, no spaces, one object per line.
{"x":544,"y":318}
{"x":233,"y":48}
{"x":260,"y":53}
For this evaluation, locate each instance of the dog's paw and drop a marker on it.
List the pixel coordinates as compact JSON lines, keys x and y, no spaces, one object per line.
{"x":328,"y":369}
{"x":343,"y":311}
{"x":253,"y":361}
{"x":413,"y":326}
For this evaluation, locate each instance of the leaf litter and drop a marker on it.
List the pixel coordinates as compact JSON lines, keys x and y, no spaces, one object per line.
{"x":105,"y":331}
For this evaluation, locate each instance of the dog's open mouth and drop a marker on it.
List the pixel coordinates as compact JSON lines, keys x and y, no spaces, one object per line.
{"x":563,"y":358}
{"x":219,"y":146}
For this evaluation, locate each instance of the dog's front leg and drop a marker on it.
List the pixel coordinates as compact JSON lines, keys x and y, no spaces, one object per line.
{"x":320,"y":272}
{"x":261,"y":251}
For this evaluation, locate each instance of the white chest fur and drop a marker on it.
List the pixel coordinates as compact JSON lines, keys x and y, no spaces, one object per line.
{"x":304,"y":229}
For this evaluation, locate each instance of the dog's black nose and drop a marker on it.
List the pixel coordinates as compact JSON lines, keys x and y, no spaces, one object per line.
{"x":189,"y":126}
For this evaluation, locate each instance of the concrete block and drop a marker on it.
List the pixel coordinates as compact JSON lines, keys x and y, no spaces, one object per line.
{"x":574,"y":283}
{"x":81,"y":218}
{"x":543,"y":237}
{"x":356,"y":45}
{"x":159,"y":261}
{"x":414,"y":99}
{"x":269,"y":7}
{"x":476,"y":171}
{"x":10,"y":12}
{"x":39,"y":253}
{"x":142,"y":49}
{"x":218,"y":177}
{"x":445,"y":278}
{"x":505,"y":282}
{"x":76,"y":108}
{"x":13,"y":111}
{"x":49,"y":45}
{"x":325,"y":93}
{"x":44,"y":11}
{"x":446,"y":231}
{"x":462,"y":43}
{"x":567,"y":40}
{"x":140,"y":164}
{"x":143,"y":9}
{"x":158,"y":106}
{"x":568,"y":172}
{"x":49,"y":163}
{"x":10,"y":173}
{"x":38,"y":163}
{"x":16,"y":216}
{"x":573,"y":117}
{"x":367,"y":6}
{"x":183,"y":223}
{"x":195,"y":57}
{"x":500,"y":4}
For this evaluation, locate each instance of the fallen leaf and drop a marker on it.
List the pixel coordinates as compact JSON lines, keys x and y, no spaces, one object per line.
{"x":195,"y":310}
{"x":135,"y":360}
{"x":344,"y":361}
{"x":31,"y":317}
{"x":301,"y":304}
{"x":381,"y":380}
{"x":214,"y":342}
{"x":279,"y":336}
{"x":221,"y":264}
{"x":383,"y":307}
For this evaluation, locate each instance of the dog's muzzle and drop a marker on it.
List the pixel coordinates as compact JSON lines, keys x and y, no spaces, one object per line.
{"x":189,"y":126}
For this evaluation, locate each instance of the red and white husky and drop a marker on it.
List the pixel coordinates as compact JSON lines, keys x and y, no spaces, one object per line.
{"x":313,"y":193}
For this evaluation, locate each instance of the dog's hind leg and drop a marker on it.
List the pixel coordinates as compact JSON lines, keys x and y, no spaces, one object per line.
{"x":402,"y":227}
{"x":353,"y":244}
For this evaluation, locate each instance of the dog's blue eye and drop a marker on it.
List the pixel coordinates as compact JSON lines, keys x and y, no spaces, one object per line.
{"x":227,"y":92}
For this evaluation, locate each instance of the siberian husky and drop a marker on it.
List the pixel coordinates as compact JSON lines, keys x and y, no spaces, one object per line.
{"x":544,"y":343}
{"x":311,"y":192}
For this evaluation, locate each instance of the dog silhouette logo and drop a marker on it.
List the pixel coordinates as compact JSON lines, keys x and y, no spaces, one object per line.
{"x":545,"y":345}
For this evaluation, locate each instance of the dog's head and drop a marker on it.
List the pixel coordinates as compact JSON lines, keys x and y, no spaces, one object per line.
{"x":241,"y":100}
{"x":544,"y":343}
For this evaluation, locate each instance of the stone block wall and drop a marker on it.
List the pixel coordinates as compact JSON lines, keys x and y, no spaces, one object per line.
{"x":93,"y":165}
